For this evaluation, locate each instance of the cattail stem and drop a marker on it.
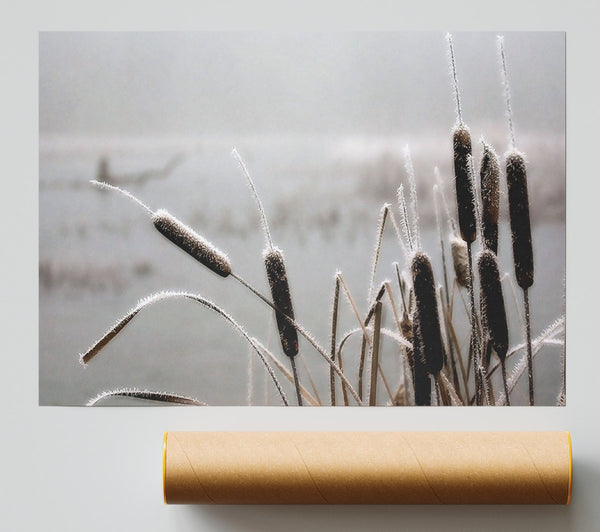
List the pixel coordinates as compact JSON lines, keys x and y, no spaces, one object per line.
{"x":344,"y":390}
{"x":436,"y":386}
{"x":250,"y":377}
{"x":380,"y":228}
{"x":375,"y":355}
{"x":310,"y":379}
{"x":474,"y":333}
{"x":334,"y":320}
{"x":504,"y":381}
{"x":441,"y":237}
{"x":454,"y":77}
{"x":413,"y":198}
{"x":404,"y":220}
{"x":129,"y":195}
{"x":261,"y":210}
{"x":366,"y":338}
{"x":528,"y":340}
{"x":506,"y":83}
{"x":296,"y":381}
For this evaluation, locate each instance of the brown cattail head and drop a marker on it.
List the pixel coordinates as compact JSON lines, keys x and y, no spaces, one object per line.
{"x":430,"y":335}
{"x":280,"y":292}
{"x":490,"y":197}
{"x":465,"y":196}
{"x":191,"y":242}
{"x":460,"y":259}
{"x":493,"y":312}
{"x":520,"y":226}
{"x":421,"y":381}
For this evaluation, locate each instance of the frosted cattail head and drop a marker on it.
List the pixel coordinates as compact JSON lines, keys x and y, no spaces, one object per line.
{"x":465,"y":197}
{"x":280,"y":292}
{"x":520,"y":227}
{"x":421,"y":381}
{"x":490,"y":197}
{"x":460,"y":259}
{"x":192,"y":243}
{"x":493,"y":312}
{"x":427,"y":311}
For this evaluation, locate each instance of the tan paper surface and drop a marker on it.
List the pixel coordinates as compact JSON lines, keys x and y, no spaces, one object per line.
{"x":367,"y":467}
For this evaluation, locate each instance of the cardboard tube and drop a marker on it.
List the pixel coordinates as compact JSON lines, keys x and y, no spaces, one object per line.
{"x":367,"y":467}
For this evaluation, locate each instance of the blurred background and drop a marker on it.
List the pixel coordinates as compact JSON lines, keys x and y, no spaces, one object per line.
{"x":321,"y":120}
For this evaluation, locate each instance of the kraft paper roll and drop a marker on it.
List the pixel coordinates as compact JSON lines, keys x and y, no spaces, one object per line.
{"x":367,"y":467}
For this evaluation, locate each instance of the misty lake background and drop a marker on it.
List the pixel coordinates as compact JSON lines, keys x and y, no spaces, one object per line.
{"x":321,"y":120}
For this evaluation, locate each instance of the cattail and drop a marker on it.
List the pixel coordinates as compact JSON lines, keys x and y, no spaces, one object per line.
{"x":277,"y":276}
{"x":421,"y":381}
{"x":180,"y":234}
{"x":430,"y":336}
{"x":280,"y":291}
{"x":460,"y":260}
{"x":192,"y":243}
{"x":518,"y":202}
{"x":520,"y":226}
{"x":490,"y":197}
{"x":465,"y":196}
{"x":493,"y":312}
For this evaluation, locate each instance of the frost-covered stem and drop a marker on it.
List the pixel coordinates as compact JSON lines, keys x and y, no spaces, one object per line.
{"x":334,"y":320}
{"x":413,"y":198}
{"x":436,"y":385}
{"x":250,"y":378}
{"x":380,"y":228}
{"x":404,"y":218}
{"x":528,"y":340}
{"x":479,"y":381}
{"x":129,"y":195}
{"x":375,"y":356}
{"x":449,"y":218}
{"x":261,"y":210}
{"x":454,"y":77}
{"x":306,"y":335}
{"x":441,"y":237}
{"x":506,"y":83}
{"x":296,"y":381}
{"x":398,"y":233}
{"x":504,"y":381}
{"x":476,"y":195}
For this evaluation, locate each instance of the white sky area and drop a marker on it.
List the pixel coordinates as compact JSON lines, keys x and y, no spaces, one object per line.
{"x":165,"y":84}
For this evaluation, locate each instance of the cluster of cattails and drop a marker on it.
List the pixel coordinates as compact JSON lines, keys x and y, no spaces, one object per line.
{"x":436,"y":370}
